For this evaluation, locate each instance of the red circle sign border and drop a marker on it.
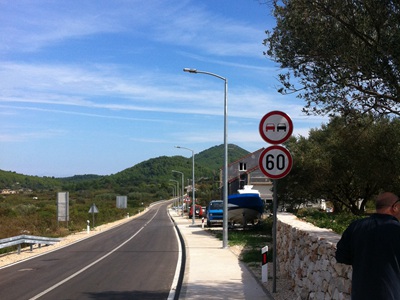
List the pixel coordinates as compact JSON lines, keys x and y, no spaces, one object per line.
{"x":261,"y":125}
{"x":261,"y":158}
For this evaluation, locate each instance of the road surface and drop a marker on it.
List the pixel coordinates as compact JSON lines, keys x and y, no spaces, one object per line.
{"x":137,"y":260}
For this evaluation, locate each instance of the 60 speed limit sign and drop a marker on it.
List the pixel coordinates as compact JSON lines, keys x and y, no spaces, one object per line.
{"x":275,"y":162}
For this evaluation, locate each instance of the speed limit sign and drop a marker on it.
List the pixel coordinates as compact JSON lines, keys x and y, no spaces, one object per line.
{"x":275,"y":162}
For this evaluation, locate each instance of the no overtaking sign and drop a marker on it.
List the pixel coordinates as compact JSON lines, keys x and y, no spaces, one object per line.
{"x":275,"y":128}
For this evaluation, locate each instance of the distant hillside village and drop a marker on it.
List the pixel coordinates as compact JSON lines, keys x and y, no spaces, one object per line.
{"x":12,"y":192}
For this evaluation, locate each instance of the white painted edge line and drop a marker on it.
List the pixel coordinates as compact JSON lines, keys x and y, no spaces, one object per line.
{"x":172,"y":292}
{"x":92,"y":264}
{"x":77,"y":241}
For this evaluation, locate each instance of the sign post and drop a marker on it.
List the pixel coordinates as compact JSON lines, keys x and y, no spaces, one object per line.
{"x":275,"y":161}
{"x":93,"y":210}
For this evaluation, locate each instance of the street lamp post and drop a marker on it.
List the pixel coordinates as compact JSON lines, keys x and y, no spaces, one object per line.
{"x":225,"y":173}
{"x":177,"y":189}
{"x":183,"y":176}
{"x":193,"y":185}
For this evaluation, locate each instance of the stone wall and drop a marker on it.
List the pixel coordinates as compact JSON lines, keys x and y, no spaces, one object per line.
{"x":306,"y":254}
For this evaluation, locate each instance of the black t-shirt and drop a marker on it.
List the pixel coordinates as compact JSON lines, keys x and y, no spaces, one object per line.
{"x":372,"y":247}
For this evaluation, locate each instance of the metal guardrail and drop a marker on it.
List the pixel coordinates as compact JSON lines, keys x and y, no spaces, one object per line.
{"x":27,"y":239}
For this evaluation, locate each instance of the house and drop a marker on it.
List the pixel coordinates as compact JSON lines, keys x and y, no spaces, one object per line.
{"x":245,"y":171}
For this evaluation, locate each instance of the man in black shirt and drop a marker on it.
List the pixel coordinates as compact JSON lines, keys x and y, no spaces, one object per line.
{"x":372,"y":246}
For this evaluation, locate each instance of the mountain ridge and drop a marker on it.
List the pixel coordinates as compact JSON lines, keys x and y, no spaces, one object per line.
{"x":158,"y":169}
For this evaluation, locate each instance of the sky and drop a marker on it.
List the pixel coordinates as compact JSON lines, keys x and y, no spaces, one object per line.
{"x":96,"y":86}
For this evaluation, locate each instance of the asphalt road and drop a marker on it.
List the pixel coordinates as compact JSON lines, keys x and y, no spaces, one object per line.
{"x":136,"y":260}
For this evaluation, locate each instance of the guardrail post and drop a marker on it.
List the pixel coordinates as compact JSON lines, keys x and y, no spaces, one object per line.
{"x":19,"y":248}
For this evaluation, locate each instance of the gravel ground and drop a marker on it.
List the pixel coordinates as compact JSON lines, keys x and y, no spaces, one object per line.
{"x":284,"y":286}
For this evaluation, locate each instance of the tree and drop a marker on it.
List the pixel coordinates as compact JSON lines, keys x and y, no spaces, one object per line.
{"x":343,"y":55}
{"x":347,"y":161}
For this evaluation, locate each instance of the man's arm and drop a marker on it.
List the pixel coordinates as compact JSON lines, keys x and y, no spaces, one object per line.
{"x":343,"y":249}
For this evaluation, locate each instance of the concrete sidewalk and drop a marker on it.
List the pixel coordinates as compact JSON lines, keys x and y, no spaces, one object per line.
{"x":213,"y":272}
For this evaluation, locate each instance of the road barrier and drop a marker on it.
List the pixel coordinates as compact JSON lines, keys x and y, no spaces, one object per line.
{"x":27,"y":239}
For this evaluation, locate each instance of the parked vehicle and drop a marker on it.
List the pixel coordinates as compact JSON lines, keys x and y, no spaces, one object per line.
{"x":198,"y":211}
{"x":215,"y":212}
{"x":245,"y":207}
{"x":204,"y":209}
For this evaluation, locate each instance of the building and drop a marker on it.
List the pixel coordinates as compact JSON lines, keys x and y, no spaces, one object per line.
{"x":245,"y":171}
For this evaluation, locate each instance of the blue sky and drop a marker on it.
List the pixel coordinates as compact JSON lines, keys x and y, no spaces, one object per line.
{"x":95,"y":87}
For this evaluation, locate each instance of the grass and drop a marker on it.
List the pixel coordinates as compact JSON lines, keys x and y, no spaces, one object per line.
{"x":21,"y":214}
{"x":252,"y":239}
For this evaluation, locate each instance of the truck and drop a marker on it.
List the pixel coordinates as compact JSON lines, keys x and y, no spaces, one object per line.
{"x":215,"y":212}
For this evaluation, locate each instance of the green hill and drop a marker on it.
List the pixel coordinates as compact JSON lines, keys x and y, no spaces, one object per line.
{"x":213,"y":158}
{"x":150,"y":179}
{"x":33,"y":208}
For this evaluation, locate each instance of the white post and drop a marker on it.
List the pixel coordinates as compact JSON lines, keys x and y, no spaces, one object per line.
{"x":88,"y":227}
{"x":264,"y":267}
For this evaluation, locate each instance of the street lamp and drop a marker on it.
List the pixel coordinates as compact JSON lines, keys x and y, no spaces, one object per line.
{"x":193,"y":184}
{"x":177,"y":189}
{"x":183,"y":176}
{"x":225,"y":172}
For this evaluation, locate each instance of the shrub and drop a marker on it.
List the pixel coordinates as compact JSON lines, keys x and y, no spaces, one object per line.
{"x":337,"y":222}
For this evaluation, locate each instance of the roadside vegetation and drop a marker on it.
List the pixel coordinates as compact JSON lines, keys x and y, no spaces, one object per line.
{"x":29,"y":206}
{"x":337,"y":222}
{"x":251,"y":239}
{"x":346,"y":162}
{"x":342,"y":62}
{"x":20,"y":214}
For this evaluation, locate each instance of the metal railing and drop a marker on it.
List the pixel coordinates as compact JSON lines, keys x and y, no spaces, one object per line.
{"x":27,"y":239}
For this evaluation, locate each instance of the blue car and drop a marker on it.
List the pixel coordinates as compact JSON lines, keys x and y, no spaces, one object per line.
{"x":215,"y":212}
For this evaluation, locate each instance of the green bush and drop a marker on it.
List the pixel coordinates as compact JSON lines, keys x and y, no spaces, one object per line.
{"x":337,"y":222}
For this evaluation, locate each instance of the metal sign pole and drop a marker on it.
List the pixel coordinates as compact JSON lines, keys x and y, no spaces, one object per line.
{"x":275,"y":210}
{"x":93,"y":215}
{"x":275,"y":162}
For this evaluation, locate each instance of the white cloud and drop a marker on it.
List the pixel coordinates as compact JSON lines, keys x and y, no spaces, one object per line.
{"x":6,"y":137}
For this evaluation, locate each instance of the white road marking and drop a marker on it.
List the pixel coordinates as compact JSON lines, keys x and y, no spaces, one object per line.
{"x":172,"y":292}
{"x":92,"y":264}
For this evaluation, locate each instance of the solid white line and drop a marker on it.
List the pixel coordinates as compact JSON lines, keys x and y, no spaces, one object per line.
{"x":92,"y":264}
{"x":172,"y":291}
{"x":67,"y":245}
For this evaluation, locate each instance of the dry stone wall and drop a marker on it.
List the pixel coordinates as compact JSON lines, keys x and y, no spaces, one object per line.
{"x":306,"y":254}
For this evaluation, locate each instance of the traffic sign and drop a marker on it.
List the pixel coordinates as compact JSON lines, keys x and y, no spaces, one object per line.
{"x":276,"y":127}
{"x":93,"y":209}
{"x":275,"y":162}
